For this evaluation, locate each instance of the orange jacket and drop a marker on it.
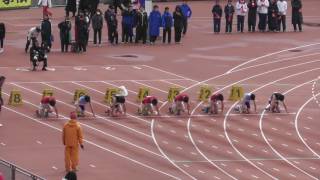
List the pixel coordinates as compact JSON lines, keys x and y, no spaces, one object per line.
{"x":72,"y":134}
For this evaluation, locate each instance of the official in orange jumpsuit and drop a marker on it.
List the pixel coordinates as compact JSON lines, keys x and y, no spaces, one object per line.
{"x":72,"y":138}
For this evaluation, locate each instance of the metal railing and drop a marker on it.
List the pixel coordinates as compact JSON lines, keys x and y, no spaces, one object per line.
{"x":12,"y":172}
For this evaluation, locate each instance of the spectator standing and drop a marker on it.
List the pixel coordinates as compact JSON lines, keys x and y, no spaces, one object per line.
{"x":127,"y":21}
{"x":46,"y":4}
{"x":107,"y":15}
{"x":46,"y":32}
{"x":217,"y":14}
{"x":252,"y":15}
{"x":167,"y":23}
{"x":297,"y":14}
{"x":72,"y":138}
{"x":65,"y":34}
{"x":263,"y":12}
{"x":97,"y":25}
{"x":187,"y":13}
{"x":282,"y":7}
{"x":142,"y":26}
{"x":242,"y":9}
{"x":273,"y":16}
{"x":229,"y":11}
{"x":2,"y":36}
{"x":178,"y":24}
{"x":154,"y":24}
{"x":71,"y":7}
{"x":113,"y":27}
{"x":2,"y":79}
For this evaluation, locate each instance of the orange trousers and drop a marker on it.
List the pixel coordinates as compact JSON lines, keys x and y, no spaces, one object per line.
{"x":71,"y":157}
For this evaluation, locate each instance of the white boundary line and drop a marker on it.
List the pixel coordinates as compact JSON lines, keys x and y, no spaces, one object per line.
{"x":297,"y":128}
{"x":96,"y":145}
{"x":262,"y":132}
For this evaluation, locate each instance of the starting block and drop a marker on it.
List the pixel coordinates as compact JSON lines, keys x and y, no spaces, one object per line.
{"x":236,"y":93}
{"x":109,"y":93}
{"x":47,"y":92}
{"x":173,"y":92}
{"x":15,"y":98}
{"x":143,"y":92}
{"x":205,"y":93}
{"x":78,"y":93}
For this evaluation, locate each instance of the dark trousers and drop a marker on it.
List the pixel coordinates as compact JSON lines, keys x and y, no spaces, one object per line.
{"x":109,"y":34}
{"x":64,"y":46}
{"x":153,"y":39}
{"x":95,"y":33}
{"x":166,"y":31}
{"x":295,"y":27}
{"x":46,"y":40}
{"x":240,"y":23}
{"x":82,"y":46}
{"x":141,"y":34}
{"x":177,"y":34}
{"x":228,"y":26}
{"x":29,"y":41}
{"x":127,"y":34}
{"x":216,"y":25}
{"x":1,"y":42}
{"x":262,"y":22}
{"x":282,"y":21}
{"x":114,"y":36}
{"x":185,"y":25}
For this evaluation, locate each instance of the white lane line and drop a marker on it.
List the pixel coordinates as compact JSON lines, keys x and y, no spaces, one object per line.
{"x":275,"y":129}
{"x":254,"y":176}
{"x":229,"y":152}
{"x":146,"y":85}
{"x":292,"y":175}
{"x":180,"y":148}
{"x":199,"y":141}
{"x":207,"y":130}
{"x":309,"y":117}
{"x":221,"y":135}
{"x":285,"y":145}
{"x":300,"y":150}
{"x":260,"y":163}
{"x":240,"y":129}
{"x":3,"y":144}
{"x":91,"y":165}
{"x":234,"y":140}
{"x":136,"y":67}
{"x":214,"y":147}
{"x":239,"y":170}
{"x":289,"y":134}
{"x":165,"y":142}
{"x":307,"y":128}
{"x":278,"y":118}
{"x":250,"y":146}
{"x":173,"y":131}
{"x":39,"y":142}
{"x":202,"y":172}
{"x":276,"y":169}
{"x":313,"y":168}
{"x":174,"y":84}
{"x":55,"y":168}
{"x":185,"y":165}
{"x":93,"y":144}
{"x":193,"y":153}
{"x":246,"y":119}
{"x":222,"y":164}
{"x":216,"y":177}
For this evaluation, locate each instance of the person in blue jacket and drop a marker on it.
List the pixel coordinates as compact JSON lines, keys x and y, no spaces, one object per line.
{"x":128,"y":22}
{"x":186,"y":12}
{"x":167,"y":22}
{"x":154,"y":24}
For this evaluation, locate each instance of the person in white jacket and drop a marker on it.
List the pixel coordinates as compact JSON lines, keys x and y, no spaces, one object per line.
{"x":242,"y":9}
{"x":46,"y":4}
{"x":263,"y":13}
{"x":282,"y":7}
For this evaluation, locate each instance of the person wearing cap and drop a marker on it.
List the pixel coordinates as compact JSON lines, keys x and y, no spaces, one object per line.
{"x":32,"y":37}
{"x":72,"y":138}
{"x":217,"y":14}
{"x":155,"y":23}
{"x":46,"y":105}
{"x":65,"y":34}
{"x":274,"y":103}
{"x":242,"y":9}
{"x":180,"y":104}
{"x":2,"y":79}
{"x":149,"y":106}
{"x":118,"y":105}
{"x":245,"y":104}
{"x":81,"y":105}
{"x":229,"y":11}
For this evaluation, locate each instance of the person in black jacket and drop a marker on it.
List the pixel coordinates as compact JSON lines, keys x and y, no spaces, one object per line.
{"x":107,"y":15}
{"x":252,"y":15}
{"x":113,"y":27}
{"x":273,"y":16}
{"x":178,"y":24}
{"x":2,"y":36}
{"x":2,"y":79}
{"x":46,"y":33}
{"x":217,"y":13}
{"x":142,"y":26}
{"x":65,"y":35}
{"x":229,"y":11}
{"x":296,"y":14}
{"x":71,"y":7}
{"x":82,"y":33}
{"x":97,"y":25}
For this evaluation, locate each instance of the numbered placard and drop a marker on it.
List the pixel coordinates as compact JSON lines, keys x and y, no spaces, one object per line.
{"x":15,"y":98}
{"x":143,"y":92}
{"x":173,"y":92}
{"x":236,"y":93}
{"x":78,"y":93}
{"x":47,"y":92}
{"x":109,"y":93}
{"x":204,"y":94}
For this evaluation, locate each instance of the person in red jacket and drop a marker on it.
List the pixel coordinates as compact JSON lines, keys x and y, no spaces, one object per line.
{"x":180,"y":104}
{"x":149,"y":105}
{"x":47,"y":105}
